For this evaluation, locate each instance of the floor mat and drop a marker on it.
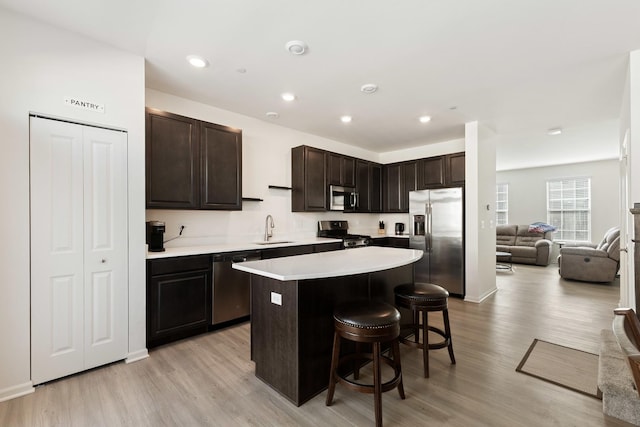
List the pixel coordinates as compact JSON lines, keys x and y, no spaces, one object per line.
{"x":567,"y":367}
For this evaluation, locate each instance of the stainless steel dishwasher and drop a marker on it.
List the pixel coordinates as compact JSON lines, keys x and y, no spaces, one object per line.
{"x":231,"y":290}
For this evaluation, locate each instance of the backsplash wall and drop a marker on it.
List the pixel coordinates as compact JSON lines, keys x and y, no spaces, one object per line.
{"x":248,"y":225}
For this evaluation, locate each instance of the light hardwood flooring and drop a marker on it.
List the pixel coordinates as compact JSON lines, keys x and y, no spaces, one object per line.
{"x":208,"y":380}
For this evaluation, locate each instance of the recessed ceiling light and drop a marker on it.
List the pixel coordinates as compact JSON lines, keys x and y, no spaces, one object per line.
{"x":241,"y":70}
{"x":272,"y":115}
{"x":554,"y":131}
{"x":296,"y":47}
{"x":345,"y":119}
{"x":197,"y":61}
{"x":369,"y":88}
{"x":288,"y":96}
{"x":425,"y":119}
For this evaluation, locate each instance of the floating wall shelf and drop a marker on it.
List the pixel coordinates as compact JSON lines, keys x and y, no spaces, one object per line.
{"x":251,"y":199}
{"x":279,"y":187}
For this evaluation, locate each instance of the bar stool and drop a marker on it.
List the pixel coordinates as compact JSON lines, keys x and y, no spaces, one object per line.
{"x":366,"y":322}
{"x":422,"y":298}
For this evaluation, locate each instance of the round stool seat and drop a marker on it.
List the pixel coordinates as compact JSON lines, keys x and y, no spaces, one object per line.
{"x":368,"y":322}
{"x":367,"y":315}
{"x":424,"y":295}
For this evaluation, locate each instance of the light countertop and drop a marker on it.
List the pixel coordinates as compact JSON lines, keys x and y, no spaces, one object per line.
{"x":234,"y":247}
{"x":331,"y":264}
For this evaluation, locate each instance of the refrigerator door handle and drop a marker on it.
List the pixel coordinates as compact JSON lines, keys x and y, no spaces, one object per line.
{"x":428,"y":226}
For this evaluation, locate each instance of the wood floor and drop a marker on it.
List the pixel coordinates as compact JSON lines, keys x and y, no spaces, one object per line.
{"x":209,"y":381}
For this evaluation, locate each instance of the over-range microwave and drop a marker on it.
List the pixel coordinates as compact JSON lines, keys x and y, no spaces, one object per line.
{"x":342,"y":198}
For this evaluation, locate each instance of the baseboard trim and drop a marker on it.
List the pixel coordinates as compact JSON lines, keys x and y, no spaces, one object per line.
{"x":136,"y":356}
{"x":482,"y":297}
{"x":16,"y":391}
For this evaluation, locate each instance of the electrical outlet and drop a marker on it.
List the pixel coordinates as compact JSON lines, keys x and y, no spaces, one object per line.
{"x":276,"y":298}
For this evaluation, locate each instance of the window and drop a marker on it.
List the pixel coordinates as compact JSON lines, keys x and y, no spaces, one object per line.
{"x":569,"y":208}
{"x":502,"y":204}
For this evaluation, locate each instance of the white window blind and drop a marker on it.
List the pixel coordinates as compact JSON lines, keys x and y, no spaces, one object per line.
{"x":569,"y":208}
{"x":502,"y":204}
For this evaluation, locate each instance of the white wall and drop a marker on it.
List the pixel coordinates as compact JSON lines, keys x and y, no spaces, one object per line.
{"x":630,"y":122}
{"x":429,"y":150}
{"x":266,"y":152}
{"x":528,"y":192}
{"x":633,"y":123}
{"x":480,"y":235}
{"x":40,"y":67}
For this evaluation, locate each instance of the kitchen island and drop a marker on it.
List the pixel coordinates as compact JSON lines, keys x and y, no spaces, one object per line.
{"x":292,"y":302}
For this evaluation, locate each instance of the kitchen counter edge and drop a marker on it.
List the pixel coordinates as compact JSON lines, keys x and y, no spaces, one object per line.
{"x":331,"y":264}
{"x":233,"y":247}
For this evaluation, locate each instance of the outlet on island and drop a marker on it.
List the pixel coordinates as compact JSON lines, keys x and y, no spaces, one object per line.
{"x":276,"y":298}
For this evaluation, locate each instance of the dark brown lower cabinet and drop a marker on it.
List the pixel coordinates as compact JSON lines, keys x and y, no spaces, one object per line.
{"x":178,"y":298}
{"x":389,"y":241}
{"x":327,"y":247}
{"x":286,"y":251}
{"x":179,"y":292}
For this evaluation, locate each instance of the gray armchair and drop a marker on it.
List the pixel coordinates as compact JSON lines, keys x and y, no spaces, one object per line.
{"x":589,"y":262}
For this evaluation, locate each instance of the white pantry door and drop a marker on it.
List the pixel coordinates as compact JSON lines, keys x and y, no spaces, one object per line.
{"x":79,"y":313}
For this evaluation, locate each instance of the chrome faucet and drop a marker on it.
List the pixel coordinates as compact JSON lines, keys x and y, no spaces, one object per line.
{"x":268,"y":228}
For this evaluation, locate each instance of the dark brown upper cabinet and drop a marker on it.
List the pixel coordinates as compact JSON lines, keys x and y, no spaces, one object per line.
{"x":221,"y":166}
{"x":375,"y":193}
{"x":341,"y":170}
{"x":380,"y":188}
{"x":368,"y":186}
{"x":191,"y":164}
{"x":431,"y":172}
{"x":308,"y":179}
{"x":456,"y":169}
{"x":408,"y":183}
{"x":441,"y":171}
{"x":391,"y":177}
{"x":172,"y":166}
{"x":399,"y":179}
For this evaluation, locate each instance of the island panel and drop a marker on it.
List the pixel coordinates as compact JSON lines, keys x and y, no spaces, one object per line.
{"x":291,"y":343}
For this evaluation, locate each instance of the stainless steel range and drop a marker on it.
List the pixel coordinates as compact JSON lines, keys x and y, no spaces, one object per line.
{"x":340,"y":230}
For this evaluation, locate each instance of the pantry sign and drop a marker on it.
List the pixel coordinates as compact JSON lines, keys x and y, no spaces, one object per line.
{"x":84,"y":104}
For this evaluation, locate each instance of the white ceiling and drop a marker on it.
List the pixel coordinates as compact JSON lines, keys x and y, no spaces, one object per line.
{"x":518,"y":67}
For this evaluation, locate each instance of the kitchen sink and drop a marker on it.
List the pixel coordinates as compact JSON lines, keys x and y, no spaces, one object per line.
{"x":273,"y":242}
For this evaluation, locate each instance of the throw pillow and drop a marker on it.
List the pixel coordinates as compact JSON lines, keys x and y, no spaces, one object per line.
{"x":541,"y":227}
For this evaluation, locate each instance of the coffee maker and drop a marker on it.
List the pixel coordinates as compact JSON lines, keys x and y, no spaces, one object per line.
{"x":155,"y":236}
{"x":399,"y":228}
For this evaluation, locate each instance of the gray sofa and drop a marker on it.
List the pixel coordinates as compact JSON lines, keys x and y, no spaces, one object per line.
{"x":525,"y":247}
{"x":589,"y":262}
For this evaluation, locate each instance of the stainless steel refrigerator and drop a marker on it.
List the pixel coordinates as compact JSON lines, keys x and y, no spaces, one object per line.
{"x":436,"y":219}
